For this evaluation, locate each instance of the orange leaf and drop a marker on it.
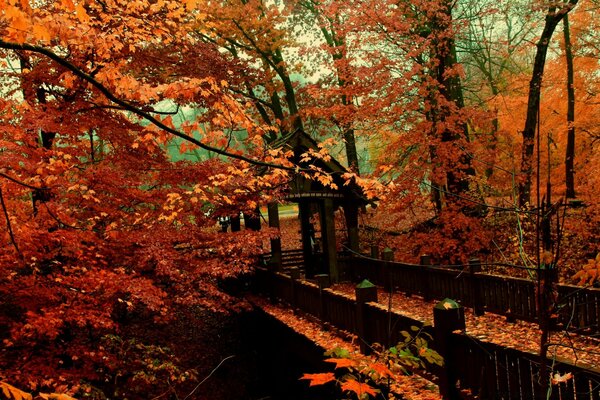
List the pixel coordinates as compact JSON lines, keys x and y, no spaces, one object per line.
{"x":381,"y":369}
{"x":41,"y":32}
{"x":319,"y":379}
{"x":342,"y":362}
{"x":359,"y":388}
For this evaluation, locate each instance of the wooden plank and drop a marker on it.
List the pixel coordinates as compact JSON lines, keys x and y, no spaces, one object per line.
{"x":526,"y":378}
{"x":597,"y":311}
{"x":502,"y":371}
{"x":514,"y":376}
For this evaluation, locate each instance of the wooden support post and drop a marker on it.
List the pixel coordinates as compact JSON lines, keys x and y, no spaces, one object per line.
{"x":306,"y":230}
{"x":323,"y":282}
{"x":295,"y":275}
{"x":273,"y":210}
{"x":351,"y":214}
{"x":476,"y":295}
{"x":448,"y":316}
{"x":328,"y":239}
{"x":365,"y":292}
{"x":425,"y":261}
{"x":374,"y":251}
{"x":252,"y":219}
{"x":236,"y":224}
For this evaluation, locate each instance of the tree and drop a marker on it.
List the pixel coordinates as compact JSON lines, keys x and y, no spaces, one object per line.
{"x":570,"y":151}
{"x":555,"y":13}
{"x":491,"y":50}
{"x":118,"y":236}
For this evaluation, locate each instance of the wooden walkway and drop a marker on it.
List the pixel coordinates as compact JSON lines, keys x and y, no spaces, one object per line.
{"x":487,"y":367}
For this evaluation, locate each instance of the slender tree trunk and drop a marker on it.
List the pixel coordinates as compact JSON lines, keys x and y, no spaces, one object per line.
{"x":553,"y":17}
{"x":570,"y":153}
{"x":37,"y":95}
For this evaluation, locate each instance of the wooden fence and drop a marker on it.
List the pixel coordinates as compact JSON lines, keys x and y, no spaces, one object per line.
{"x":488,"y":370}
{"x":578,"y":307}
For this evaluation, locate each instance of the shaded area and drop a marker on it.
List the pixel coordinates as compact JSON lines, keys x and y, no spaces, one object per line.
{"x":277,"y":357}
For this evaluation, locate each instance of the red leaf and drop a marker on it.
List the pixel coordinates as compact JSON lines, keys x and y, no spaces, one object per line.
{"x":319,"y":379}
{"x":342,"y":362}
{"x":359,"y":388}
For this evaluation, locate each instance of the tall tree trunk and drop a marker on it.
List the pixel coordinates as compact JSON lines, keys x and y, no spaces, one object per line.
{"x":553,"y":17}
{"x":337,"y":45}
{"x":458,"y":175}
{"x":570,"y":153}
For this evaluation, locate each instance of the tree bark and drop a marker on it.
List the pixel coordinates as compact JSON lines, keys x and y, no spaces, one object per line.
{"x":553,"y":17}
{"x":570,"y":152}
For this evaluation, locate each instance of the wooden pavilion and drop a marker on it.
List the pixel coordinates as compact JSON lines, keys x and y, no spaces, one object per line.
{"x":320,"y":253}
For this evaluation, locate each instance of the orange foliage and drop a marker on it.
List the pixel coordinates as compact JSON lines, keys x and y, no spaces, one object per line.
{"x":361,"y":390}
{"x":319,"y":379}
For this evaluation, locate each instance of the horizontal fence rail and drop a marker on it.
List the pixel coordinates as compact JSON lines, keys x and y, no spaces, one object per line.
{"x":487,"y":370}
{"x":578,"y":308}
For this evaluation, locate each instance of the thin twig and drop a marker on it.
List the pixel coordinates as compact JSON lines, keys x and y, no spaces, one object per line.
{"x":8,"y":224}
{"x":209,"y":375}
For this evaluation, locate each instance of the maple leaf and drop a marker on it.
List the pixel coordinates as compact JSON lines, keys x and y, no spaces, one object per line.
{"x":12,"y":393}
{"x":342,"y":362}
{"x":319,"y":379}
{"x":381,"y":370}
{"x":360,"y":389}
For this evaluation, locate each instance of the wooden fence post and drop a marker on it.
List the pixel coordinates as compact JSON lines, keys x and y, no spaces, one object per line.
{"x":276,"y":256}
{"x":386,"y":277}
{"x":294,"y":275}
{"x":324,"y":282}
{"x":374,"y":251}
{"x":476,"y":298}
{"x":365,"y":292}
{"x":425,"y":262}
{"x":448,"y":316}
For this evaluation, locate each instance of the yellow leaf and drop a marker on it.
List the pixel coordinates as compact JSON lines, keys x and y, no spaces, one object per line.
{"x":41,"y":33}
{"x":81,"y":13}
{"x":12,"y":393}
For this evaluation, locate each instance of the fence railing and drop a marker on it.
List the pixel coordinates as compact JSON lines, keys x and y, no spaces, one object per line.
{"x":487,"y":370}
{"x":578,"y":308}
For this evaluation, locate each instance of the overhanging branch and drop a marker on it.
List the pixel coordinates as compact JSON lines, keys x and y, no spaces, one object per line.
{"x":125,"y":105}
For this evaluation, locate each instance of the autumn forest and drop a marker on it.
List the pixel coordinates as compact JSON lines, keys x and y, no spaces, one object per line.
{"x":130,"y":128}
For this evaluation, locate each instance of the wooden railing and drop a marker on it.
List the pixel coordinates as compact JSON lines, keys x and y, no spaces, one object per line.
{"x":487,"y":370}
{"x":578,"y":308}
